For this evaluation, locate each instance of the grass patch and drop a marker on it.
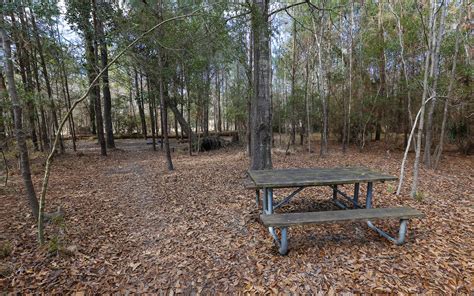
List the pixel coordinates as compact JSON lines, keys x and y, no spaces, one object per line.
{"x":419,"y":196}
{"x":5,"y":249}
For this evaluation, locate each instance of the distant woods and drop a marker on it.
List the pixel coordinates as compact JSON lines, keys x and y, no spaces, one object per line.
{"x":306,"y":73}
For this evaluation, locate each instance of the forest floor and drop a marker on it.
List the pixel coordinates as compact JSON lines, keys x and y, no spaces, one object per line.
{"x":129,"y":225}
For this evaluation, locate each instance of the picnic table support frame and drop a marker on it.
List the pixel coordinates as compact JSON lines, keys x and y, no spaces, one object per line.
{"x":401,"y":233}
{"x":288,"y":198}
{"x":257,"y":197}
{"x":403,"y":222}
{"x":354,"y":200}
{"x":268,"y":208}
{"x":268,"y":201}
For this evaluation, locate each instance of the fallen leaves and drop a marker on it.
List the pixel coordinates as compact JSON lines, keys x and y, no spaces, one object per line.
{"x":130,"y":226}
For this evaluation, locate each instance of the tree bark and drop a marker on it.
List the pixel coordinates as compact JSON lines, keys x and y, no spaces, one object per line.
{"x":104,"y":59}
{"x":25,"y":71}
{"x":95,"y":92}
{"x":383,"y":91}
{"x":293,"y":87}
{"x":424,"y":96}
{"x":44,"y":70}
{"x":439,"y":151}
{"x":43,"y":126}
{"x":434,"y":76}
{"x":17,"y":112}
{"x":322,"y":81}
{"x":3,"y":99}
{"x":261,"y":115}
{"x":164,"y":124}
{"x":139,"y":99}
{"x":151,"y":107}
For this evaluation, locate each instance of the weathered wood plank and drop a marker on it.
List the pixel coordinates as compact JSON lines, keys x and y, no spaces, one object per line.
{"x":287,"y":219}
{"x":249,"y":184}
{"x":280,"y":178}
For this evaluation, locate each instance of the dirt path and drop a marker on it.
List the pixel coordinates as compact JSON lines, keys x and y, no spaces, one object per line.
{"x":132,"y":226}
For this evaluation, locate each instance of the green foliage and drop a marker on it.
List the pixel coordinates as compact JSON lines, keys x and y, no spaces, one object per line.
{"x":390,"y":188}
{"x":419,"y":196}
{"x":5,"y":249}
{"x":54,"y":245}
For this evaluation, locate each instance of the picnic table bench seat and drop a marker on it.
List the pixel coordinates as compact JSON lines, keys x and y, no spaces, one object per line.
{"x":285,"y":220}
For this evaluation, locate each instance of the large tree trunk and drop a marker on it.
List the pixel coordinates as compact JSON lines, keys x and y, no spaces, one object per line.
{"x":19,"y":133}
{"x":261,"y":115}
{"x":21,"y":38}
{"x":109,"y":131}
{"x":94,"y":94}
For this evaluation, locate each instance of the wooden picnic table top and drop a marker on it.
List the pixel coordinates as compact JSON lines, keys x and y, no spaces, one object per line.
{"x":297,"y":177}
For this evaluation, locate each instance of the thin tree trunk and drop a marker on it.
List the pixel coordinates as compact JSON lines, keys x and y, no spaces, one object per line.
{"x":349,"y":107}
{"x":249,"y":73}
{"x":423,"y":101}
{"x":405,"y":155}
{"x":293,"y":86}
{"x":46,"y":78}
{"x":322,"y":82}
{"x":151,"y":106}
{"x":434,"y":76}
{"x":439,"y":151}
{"x":66,"y":86}
{"x":104,"y":59}
{"x":218,"y":90}
{"x":43,"y":129}
{"x":307,"y":93}
{"x":383,"y":90}
{"x":164,"y":126}
{"x":25,"y":72}
{"x":188,"y":113}
{"x":139,"y":99}
{"x":404,"y":63}
{"x":19,"y":133}
{"x":3,"y":99}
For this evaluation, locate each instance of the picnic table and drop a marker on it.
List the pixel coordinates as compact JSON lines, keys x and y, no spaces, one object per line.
{"x":267,"y":181}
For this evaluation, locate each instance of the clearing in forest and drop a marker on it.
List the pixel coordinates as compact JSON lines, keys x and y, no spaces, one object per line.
{"x":130,"y":225}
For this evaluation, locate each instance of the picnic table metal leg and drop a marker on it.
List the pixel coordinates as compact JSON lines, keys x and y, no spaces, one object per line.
{"x":269,"y":197}
{"x":368,"y":200}
{"x":356,"y":193}
{"x":283,"y":242}
{"x":334,"y":198}
{"x":257,"y":197}
{"x":401,"y":233}
{"x":264,"y":201}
